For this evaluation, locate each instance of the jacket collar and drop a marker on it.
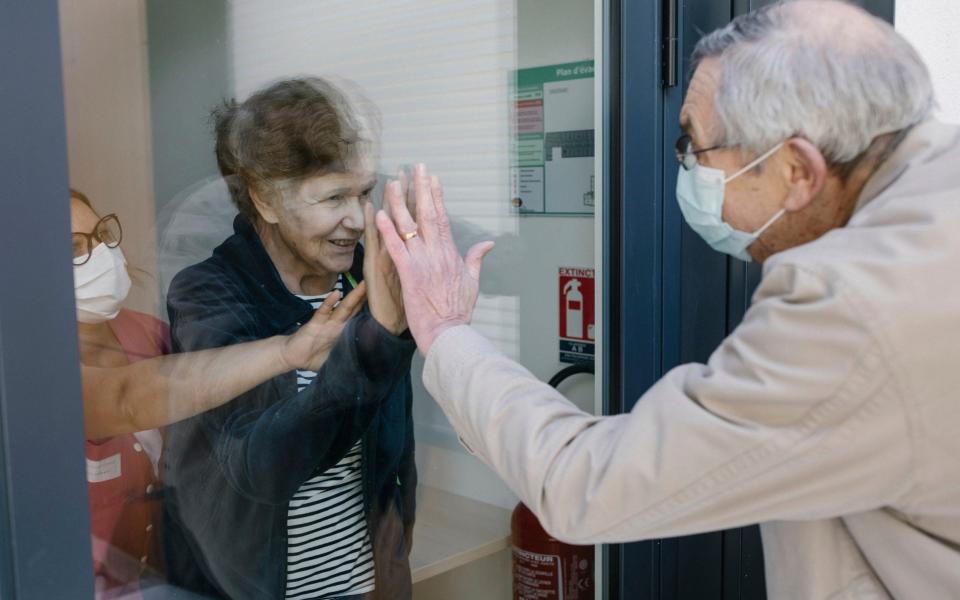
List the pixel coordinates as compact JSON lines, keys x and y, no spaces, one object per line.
{"x":245,"y":252}
{"x":926,"y":138}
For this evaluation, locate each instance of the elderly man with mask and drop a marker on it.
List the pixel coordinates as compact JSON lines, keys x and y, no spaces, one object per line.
{"x":831,"y":414}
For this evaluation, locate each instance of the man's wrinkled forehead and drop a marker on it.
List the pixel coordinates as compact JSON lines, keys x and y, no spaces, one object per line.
{"x":698,"y":117}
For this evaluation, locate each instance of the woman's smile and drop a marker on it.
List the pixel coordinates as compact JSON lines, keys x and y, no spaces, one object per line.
{"x":344,"y":244}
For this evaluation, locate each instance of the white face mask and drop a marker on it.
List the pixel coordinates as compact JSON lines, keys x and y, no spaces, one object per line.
{"x":700,"y":192}
{"x":101,"y":284}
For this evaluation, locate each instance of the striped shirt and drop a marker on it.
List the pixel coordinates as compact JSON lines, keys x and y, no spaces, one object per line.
{"x":328,"y":549}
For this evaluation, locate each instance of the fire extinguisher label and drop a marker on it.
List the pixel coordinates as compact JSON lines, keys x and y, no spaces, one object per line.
{"x":536,"y":576}
{"x":577,"y":324}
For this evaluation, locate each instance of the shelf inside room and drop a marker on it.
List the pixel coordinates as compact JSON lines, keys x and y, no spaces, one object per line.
{"x":452,"y":531}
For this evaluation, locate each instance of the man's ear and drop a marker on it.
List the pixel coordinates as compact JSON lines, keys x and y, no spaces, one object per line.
{"x":266,"y":210}
{"x":805,"y":171}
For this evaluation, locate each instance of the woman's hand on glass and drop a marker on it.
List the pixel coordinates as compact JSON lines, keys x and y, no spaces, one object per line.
{"x":384,"y":295}
{"x":310,"y":346}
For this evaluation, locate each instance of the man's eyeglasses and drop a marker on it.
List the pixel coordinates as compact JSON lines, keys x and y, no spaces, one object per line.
{"x":107,"y":231}
{"x":686,"y":155}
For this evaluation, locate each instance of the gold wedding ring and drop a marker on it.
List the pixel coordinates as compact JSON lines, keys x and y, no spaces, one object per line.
{"x":408,"y":236}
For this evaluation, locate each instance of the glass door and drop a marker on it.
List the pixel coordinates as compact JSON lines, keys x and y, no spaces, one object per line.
{"x":501,"y":99}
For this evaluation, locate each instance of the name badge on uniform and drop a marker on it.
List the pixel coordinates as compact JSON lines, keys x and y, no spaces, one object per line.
{"x":103,"y":470}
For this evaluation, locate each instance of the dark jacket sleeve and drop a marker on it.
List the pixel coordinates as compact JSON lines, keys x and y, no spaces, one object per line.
{"x":270,"y":440}
{"x":408,"y":476}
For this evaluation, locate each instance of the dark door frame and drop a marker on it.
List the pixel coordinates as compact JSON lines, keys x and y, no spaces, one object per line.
{"x":668,"y":299}
{"x":44,"y":517}
{"x":633,"y":234}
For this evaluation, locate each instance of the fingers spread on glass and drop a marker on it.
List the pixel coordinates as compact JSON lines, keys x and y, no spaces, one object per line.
{"x":407,"y":190}
{"x":371,"y":238}
{"x":330,"y":302}
{"x":310,"y":345}
{"x":398,"y":211}
{"x":436,"y":192}
{"x":391,"y":239}
{"x":426,"y":211}
{"x":351,"y":303}
{"x":383,"y":284}
{"x":439,"y":288}
{"x":474,"y":259}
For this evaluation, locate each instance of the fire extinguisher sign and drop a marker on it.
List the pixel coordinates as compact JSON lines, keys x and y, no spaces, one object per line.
{"x":577,"y":328}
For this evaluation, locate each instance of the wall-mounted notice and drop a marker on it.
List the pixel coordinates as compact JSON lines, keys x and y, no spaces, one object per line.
{"x":552,"y":163}
{"x":577,"y":328}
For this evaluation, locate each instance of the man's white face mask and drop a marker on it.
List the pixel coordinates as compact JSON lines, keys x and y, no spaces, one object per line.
{"x":700,"y":192}
{"x":101,"y":285}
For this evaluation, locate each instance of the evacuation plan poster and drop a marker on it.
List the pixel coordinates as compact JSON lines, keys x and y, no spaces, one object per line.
{"x":552,"y":163}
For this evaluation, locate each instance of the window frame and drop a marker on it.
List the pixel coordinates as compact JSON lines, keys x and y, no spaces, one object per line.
{"x":44,"y":516}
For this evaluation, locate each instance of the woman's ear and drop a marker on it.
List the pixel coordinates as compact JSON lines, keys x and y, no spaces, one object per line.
{"x":266,"y":210}
{"x":806,"y":173}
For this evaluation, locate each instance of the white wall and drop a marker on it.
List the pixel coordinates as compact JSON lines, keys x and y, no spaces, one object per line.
{"x":107,"y":105}
{"x":551,"y":32}
{"x":932,"y":27}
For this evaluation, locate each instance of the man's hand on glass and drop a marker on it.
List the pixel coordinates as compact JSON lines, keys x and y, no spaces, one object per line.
{"x":440,"y":288}
{"x":310,"y":346}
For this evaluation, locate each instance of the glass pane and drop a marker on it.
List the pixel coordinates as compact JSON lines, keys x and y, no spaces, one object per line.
{"x":237,"y":142}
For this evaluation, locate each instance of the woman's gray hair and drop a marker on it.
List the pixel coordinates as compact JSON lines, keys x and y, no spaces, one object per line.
{"x":795,"y":69}
{"x":289,"y":131}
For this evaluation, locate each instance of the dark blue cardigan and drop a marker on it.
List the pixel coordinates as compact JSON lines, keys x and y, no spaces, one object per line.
{"x":231,"y":472}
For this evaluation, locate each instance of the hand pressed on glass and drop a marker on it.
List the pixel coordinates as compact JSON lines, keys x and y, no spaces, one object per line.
{"x":380,"y":275}
{"x":440,"y":288}
{"x":310,"y":346}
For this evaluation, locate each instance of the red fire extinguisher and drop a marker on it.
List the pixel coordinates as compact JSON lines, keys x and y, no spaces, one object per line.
{"x":544,"y":568}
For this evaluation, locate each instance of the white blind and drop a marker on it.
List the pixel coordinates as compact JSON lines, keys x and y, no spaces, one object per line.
{"x":439,"y":73}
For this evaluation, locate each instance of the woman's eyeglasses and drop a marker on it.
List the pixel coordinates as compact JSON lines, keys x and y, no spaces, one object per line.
{"x":107,"y":231}
{"x":686,"y":155}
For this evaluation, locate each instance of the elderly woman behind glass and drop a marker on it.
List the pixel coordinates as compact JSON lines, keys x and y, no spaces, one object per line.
{"x":303,"y":487}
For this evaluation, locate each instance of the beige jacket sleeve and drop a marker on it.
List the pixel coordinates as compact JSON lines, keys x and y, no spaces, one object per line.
{"x":795,"y":416}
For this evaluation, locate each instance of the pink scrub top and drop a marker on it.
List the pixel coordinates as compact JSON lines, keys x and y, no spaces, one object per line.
{"x":123,"y":481}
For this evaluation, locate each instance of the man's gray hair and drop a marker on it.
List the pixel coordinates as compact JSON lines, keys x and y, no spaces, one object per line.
{"x":795,"y":69}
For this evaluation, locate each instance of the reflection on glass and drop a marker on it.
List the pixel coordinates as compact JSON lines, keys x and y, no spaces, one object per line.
{"x":244,"y":222}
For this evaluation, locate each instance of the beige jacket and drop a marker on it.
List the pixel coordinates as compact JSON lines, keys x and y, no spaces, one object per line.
{"x":831,"y":415}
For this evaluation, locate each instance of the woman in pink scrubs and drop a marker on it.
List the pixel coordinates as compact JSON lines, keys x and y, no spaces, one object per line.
{"x":131,"y":390}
